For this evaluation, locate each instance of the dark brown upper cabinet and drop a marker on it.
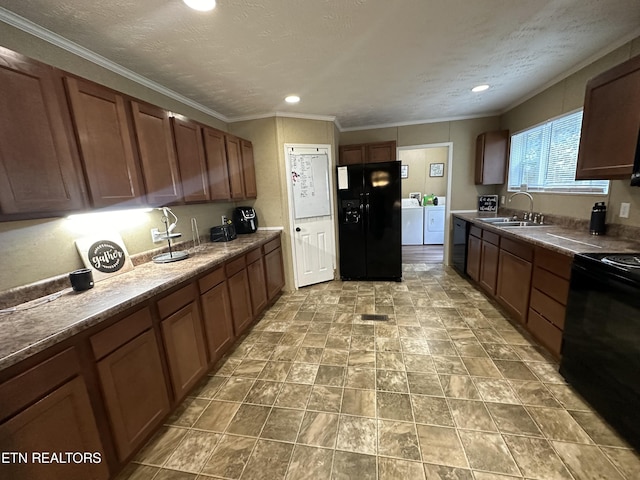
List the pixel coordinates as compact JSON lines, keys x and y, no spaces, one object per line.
{"x":491,"y":157}
{"x":106,"y":144}
{"x":367,"y":153}
{"x":248,"y":169}
{"x":191,"y":160}
{"x":610,"y":123}
{"x":218,"y":173}
{"x":234,"y":163}
{"x":40,"y":171}
{"x":157,"y":155}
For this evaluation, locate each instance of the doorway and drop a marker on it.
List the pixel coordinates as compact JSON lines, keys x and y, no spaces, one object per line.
{"x":427,"y":175}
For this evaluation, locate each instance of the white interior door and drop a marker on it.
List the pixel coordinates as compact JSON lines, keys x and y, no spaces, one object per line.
{"x":314,"y":250}
{"x":310,"y":187}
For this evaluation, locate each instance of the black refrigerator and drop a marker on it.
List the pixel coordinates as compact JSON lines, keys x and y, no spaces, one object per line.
{"x":369,"y":221}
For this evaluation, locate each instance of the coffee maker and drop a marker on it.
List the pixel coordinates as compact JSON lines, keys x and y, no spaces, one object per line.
{"x":245,"y":220}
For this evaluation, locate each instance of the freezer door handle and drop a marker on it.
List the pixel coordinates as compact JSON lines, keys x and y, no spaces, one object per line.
{"x":367,"y":203}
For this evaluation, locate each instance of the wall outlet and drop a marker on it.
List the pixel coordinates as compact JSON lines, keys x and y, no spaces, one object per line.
{"x":502,"y":200}
{"x":624,"y":210}
{"x":224,"y":219}
{"x":155,"y":235}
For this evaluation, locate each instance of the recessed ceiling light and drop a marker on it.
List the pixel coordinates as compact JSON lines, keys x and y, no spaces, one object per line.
{"x":292,"y":99}
{"x":480,"y":88}
{"x":201,"y":5}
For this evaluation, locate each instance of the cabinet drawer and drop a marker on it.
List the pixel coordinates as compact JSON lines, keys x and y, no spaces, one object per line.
{"x":554,"y":262}
{"x":271,"y":245}
{"x":554,"y":286}
{"x":118,"y":334}
{"x":254,"y":255}
{"x":176,"y":300}
{"x":33,"y":384}
{"x":491,"y":237}
{"x":548,"y":308}
{"x":212,"y":279}
{"x":521,"y":250}
{"x":234,"y":266}
{"x":548,"y":334}
{"x":475,"y":231}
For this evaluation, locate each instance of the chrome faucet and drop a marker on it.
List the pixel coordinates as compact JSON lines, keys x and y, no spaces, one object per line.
{"x":530,"y":201}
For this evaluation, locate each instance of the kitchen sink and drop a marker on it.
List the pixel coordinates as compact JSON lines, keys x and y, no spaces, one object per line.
{"x":508,"y":222}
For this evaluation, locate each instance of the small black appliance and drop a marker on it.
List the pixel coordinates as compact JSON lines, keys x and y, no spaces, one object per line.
{"x":598,"y":216}
{"x":223,"y":233}
{"x":245,"y":220}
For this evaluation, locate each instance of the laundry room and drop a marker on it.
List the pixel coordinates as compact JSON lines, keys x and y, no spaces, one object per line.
{"x":424,"y":192}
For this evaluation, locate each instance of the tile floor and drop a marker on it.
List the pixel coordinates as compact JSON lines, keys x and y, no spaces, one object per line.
{"x":446,"y":388}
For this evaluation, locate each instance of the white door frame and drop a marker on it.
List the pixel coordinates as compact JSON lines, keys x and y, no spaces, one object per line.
{"x":308,"y":149}
{"x":447,"y":207}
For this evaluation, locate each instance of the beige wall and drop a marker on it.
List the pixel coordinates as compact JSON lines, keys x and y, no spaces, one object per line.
{"x":269,"y":137}
{"x":560,"y":98}
{"x":419,"y":162}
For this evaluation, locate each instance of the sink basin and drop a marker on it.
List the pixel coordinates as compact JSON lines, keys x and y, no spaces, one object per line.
{"x":494,"y":219}
{"x":507,"y":222}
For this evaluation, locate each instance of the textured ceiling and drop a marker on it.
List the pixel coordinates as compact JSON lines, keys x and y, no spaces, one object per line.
{"x":366,"y":62}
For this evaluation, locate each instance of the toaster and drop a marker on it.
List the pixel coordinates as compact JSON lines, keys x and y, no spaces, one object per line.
{"x":223,"y":233}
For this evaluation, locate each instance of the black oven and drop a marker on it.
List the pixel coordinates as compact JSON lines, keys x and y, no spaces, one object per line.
{"x":601,"y":340}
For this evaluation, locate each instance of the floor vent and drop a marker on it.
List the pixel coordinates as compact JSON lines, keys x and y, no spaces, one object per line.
{"x":371,"y":316}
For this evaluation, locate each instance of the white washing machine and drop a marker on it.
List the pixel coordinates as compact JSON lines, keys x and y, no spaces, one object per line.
{"x":412,"y":222}
{"x":434,"y":223}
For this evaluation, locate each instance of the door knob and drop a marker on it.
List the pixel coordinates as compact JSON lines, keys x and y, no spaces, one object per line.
{"x":297,"y":229}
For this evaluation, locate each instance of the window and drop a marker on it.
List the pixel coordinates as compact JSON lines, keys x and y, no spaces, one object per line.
{"x":545,"y":157}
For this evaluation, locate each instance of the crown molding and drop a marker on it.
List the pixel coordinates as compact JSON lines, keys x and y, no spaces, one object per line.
{"x":420,"y":122}
{"x":48,"y":36}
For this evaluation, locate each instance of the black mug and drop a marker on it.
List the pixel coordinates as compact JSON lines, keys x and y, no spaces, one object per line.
{"x":81,"y":279}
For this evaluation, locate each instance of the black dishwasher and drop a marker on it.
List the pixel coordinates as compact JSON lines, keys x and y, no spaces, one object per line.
{"x":601,"y":339}
{"x":459,"y":249}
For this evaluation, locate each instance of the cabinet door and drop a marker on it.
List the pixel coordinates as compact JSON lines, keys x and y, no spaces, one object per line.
{"x":352,"y":154}
{"x":155,"y":147}
{"x":248,"y":169}
{"x":234,"y":162}
{"x":39,"y":163}
{"x":491,"y":157}
{"x":135,"y":392}
{"x":257,"y":287}
{"x":184,"y":344}
{"x":240,"y":301}
{"x":218,"y":173}
{"x":191,"y":160}
{"x":474,"y":253}
{"x":489,"y":267}
{"x":218,"y":320}
{"x":381,"y":152}
{"x":514,"y":284}
{"x":610,"y":123}
{"x":62,"y":421}
{"x":274,"y":272}
{"x":106,"y":145}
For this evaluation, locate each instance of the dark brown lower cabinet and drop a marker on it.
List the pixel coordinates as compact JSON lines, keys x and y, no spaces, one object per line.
{"x":184,"y":345}
{"x":514,"y":284}
{"x":474,"y":253}
{"x":134,"y":391}
{"x":489,"y":266}
{"x":239,"y":294}
{"x":216,"y":313}
{"x":62,"y":421}
{"x":274,"y":271}
{"x":257,"y":287}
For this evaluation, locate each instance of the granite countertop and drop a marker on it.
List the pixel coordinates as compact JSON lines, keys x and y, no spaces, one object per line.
{"x":30,"y":331}
{"x":560,"y":238}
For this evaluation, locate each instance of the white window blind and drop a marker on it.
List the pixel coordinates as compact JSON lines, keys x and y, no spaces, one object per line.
{"x":545,"y":158}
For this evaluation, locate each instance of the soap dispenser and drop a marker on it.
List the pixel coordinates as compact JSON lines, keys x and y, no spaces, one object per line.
{"x":598,"y":216}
